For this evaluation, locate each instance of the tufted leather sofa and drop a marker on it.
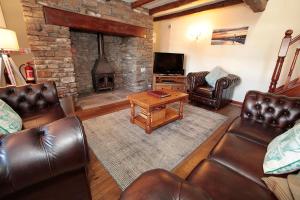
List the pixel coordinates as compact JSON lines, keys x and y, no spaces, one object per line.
{"x":48,"y":159}
{"x":37,"y":104}
{"x":233,"y":170}
{"x":218,"y":96}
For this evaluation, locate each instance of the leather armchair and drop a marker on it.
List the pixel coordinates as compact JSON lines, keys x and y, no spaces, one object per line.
{"x":218,"y":96}
{"x":48,"y":159}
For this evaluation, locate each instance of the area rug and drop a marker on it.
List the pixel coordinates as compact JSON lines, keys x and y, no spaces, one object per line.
{"x":126,"y":151}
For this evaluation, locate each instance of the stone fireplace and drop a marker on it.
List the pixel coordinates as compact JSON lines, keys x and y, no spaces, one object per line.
{"x":103,"y":74}
{"x":118,"y":51}
{"x":67,"y":56}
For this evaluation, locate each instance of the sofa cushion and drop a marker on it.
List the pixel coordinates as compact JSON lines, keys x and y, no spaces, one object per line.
{"x":43,"y":117}
{"x":238,"y":154}
{"x":10,"y":121}
{"x":254,"y":131}
{"x":215,"y":74}
{"x":283,"y":154}
{"x":222,"y":183}
{"x":160,"y":184}
{"x":205,"y":91}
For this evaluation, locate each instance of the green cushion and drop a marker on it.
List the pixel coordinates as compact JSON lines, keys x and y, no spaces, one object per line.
{"x":10,"y":121}
{"x":213,"y":76}
{"x":283,"y":153}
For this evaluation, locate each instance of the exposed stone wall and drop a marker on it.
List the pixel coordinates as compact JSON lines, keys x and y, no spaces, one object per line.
{"x":51,"y":45}
{"x":85,"y":53}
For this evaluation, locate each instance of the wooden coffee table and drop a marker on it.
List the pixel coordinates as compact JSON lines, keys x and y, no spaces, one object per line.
{"x":150,"y":105}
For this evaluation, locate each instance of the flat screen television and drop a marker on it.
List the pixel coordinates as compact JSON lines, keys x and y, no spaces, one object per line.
{"x":168,"y":63}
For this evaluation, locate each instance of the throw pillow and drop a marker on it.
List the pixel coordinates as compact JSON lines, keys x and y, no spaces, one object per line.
{"x":215,"y":74}
{"x":283,"y":153}
{"x":279,"y":186}
{"x":10,"y":121}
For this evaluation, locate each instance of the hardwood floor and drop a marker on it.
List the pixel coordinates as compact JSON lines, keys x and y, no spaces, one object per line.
{"x":103,"y":186}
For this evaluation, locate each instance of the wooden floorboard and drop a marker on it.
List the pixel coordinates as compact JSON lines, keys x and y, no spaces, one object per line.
{"x":103,"y":186}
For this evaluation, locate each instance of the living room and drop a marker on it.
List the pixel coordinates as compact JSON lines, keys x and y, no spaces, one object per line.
{"x":149,"y":99}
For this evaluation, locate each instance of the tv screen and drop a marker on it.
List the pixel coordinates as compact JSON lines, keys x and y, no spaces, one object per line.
{"x":168,"y":63}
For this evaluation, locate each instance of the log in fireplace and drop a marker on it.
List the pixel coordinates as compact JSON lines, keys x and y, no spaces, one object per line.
{"x":102,"y":73}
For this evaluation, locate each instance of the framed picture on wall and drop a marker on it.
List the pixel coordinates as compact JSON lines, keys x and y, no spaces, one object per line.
{"x":229,"y":36}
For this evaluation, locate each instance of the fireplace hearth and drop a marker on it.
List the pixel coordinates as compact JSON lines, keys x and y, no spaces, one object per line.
{"x":103,"y":75}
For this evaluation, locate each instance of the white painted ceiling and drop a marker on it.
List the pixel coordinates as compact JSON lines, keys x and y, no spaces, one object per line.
{"x":157,"y":3}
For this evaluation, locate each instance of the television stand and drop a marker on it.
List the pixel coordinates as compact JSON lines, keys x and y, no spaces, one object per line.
{"x":173,"y":82}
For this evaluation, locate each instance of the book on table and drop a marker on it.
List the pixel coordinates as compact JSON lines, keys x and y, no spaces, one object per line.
{"x":158,"y":113}
{"x":158,"y":93}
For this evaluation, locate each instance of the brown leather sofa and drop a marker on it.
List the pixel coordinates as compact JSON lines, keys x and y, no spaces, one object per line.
{"x":233,"y":169}
{"x":48,"y":159}
{"x":218,"y":96}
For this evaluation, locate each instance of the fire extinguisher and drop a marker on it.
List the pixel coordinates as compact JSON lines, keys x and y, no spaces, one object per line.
{"x":29,"y":72}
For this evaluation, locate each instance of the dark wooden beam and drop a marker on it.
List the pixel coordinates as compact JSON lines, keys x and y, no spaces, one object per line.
{"x":220,"y":4}
{"x":169,"y":6}
{"x":139,"y":3}
{"x":93,"y":24}
{"x":257,"y":5}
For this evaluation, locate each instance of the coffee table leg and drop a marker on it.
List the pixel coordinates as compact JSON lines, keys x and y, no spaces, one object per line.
{"x":148,"y":122}
{"x":132,"y":106}
{"x":181,"y":110}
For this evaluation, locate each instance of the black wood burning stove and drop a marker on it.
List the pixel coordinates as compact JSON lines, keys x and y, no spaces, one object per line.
{"x":102,"y":73}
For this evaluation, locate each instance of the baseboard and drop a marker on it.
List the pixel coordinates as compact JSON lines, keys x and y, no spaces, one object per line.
{"x":236,"y":103}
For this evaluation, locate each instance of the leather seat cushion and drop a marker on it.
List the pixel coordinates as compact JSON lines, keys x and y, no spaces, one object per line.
{"x":241,"y":155}
{"x":254,"y":131}
{"x":43,"y":117}
{"x":222,"y":183}
{"x":205,"y":91}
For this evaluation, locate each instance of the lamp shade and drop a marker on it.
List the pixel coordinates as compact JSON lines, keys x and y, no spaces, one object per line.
{"x":8,"y":40}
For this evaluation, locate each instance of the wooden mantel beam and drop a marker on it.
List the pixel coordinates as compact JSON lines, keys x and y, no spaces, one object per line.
{"x":257,"y":5}
{"x":219,"y":4}
{"x":170,"y":5}
{"x":139,"y":3}
{"x":93,"y":24}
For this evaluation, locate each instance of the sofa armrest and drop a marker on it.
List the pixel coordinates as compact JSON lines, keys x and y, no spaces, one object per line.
{"x":228,"y":81}
{"x":272,"y":110}
{"x":196,"y":79}
{"x":34,"y":155}
{"x":160,"y":184}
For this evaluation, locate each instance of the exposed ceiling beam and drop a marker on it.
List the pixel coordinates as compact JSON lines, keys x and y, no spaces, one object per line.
{"x":171,"y":5}
{"x":220,"y":4}
{"x":257,"y":5}
{"x":139,"y":3}
{"x":88,"y":23}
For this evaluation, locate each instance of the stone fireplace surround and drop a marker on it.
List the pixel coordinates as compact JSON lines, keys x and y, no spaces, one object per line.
{"x":55,"y":48}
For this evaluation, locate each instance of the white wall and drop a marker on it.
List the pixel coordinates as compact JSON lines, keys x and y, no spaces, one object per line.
{"x":253,"y":62}
{"x":2,"y":22}
{"x":13,"y":15}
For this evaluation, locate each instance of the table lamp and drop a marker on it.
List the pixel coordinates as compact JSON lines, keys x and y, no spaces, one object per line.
{"x":9,"y":42}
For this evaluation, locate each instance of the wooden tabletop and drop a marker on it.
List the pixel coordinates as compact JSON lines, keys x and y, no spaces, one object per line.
{"x":145,"y":100}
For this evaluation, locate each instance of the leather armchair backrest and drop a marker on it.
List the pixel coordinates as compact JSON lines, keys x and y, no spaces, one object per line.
{"x":269,"y":109}
{"x":30,"y":99}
